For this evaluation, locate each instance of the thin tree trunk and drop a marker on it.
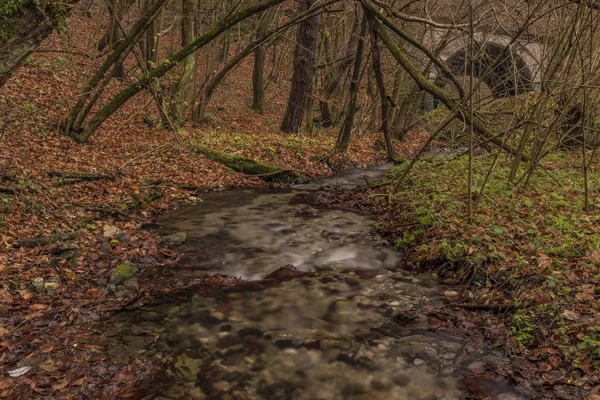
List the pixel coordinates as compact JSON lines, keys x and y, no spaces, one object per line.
{"x":258,"y":73}
{"x":209,"y":87}
{"x":29,"y":29}
{"x":333,"y":79}
{"x":453,"y":104}
{"x":346,"y":131}
{"x":108,"y":109}
{"x":385,"y":102}
{"x":74,"y":122}
{"x":177,"y":107}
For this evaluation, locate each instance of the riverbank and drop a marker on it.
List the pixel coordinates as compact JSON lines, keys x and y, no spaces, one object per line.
{"x":525,"y":272}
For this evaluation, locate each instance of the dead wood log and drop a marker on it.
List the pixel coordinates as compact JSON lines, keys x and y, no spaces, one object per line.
{"x":247,"y":166}
{"x":45,"y":240}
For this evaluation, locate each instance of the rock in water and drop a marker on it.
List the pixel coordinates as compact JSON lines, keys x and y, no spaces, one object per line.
{"x":175,"y":239}
{"x":307,"y":211}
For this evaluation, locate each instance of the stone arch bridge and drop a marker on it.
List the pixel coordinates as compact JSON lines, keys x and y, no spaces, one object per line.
{"x":506,"y":66}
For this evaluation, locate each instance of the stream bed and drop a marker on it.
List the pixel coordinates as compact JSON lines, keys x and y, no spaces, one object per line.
{"x":335,"y":318}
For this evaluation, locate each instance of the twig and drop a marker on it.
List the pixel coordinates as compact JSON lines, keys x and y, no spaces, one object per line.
{"x":143,"y":155}
{"x":486,"y":307}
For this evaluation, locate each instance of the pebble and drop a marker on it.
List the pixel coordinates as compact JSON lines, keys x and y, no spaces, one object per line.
{"x":115,"y":277}
{"x":106,"y":248}
{"x":131,"y":284}
{"x":110,"y":231}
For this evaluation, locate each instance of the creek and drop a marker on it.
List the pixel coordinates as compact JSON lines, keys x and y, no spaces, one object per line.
{"x":345,"y":322}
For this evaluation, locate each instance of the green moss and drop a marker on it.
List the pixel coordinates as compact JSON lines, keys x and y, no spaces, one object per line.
{"x":245,"y":165}
{"x":127,"y":269}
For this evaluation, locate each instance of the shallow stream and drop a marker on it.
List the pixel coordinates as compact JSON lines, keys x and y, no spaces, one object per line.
{"x":355,"y":326}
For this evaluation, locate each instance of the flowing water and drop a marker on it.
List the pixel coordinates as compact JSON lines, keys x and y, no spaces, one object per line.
{"x":355,"y":327}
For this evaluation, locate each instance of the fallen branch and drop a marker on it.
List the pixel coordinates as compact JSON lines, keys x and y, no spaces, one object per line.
{"x":487,"y":307}
{"x":8,"y":189}
{"x":81,"y":176}
{"x":45,"y":240}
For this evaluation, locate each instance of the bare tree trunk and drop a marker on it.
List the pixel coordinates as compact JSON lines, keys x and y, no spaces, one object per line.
{"x":91,"y":92}
{"x":108,"y":109}
{"x":304,"y":68}
{"x":177,"y":108}
{"x":334,"y":77}
{"x":346,"y":131}
{"x":385,"y":102}
{"x":211,"y":84}
{"x":258,"y":73}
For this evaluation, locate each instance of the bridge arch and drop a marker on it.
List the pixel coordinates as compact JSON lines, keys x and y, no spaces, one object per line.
{"x":504,"y":71}
{"x":515,"y":65}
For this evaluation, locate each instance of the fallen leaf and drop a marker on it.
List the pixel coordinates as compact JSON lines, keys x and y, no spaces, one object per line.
{"x":60,"y":386}
{"x":15,"y":373}
{"x":5,"y":383}
{"x":48,"y":365}
{"x":5,"y":297}
{"x":571,"y":315}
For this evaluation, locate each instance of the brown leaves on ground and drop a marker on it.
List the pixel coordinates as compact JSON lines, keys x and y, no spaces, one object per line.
{"x":52,"y":296}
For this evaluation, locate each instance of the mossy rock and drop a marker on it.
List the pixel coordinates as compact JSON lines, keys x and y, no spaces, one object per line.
{"x":127,"y":269}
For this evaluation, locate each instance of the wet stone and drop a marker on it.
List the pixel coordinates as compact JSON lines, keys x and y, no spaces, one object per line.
{"x":381,"y":385}
{"x":115,"y":277}
{"x":366,"y":363}
{"x":288,"y":341}
{"x":401,"y":379}
{"x":175,"y":239}
{"x":250,"y":332}
{"x":335,"y":343}
{"x":123,"y":237}
{"x":151,"y":316}
{"x":202,"y":301}
{"x":354,"y":389}
{"x":106,"y":248}
{"x":131,"y":284}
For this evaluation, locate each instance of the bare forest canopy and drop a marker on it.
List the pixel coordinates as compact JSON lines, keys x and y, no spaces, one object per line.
{"x":408,"y":58}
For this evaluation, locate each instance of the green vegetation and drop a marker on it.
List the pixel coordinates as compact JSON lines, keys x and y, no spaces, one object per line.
{"x":531,"y":243}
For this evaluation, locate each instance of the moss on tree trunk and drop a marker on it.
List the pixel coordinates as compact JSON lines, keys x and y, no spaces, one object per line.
{"x":23,"y":27}
{"x":247,"y":166}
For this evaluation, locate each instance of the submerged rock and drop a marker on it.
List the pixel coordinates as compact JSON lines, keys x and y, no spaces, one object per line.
{"x":175,"y":239}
